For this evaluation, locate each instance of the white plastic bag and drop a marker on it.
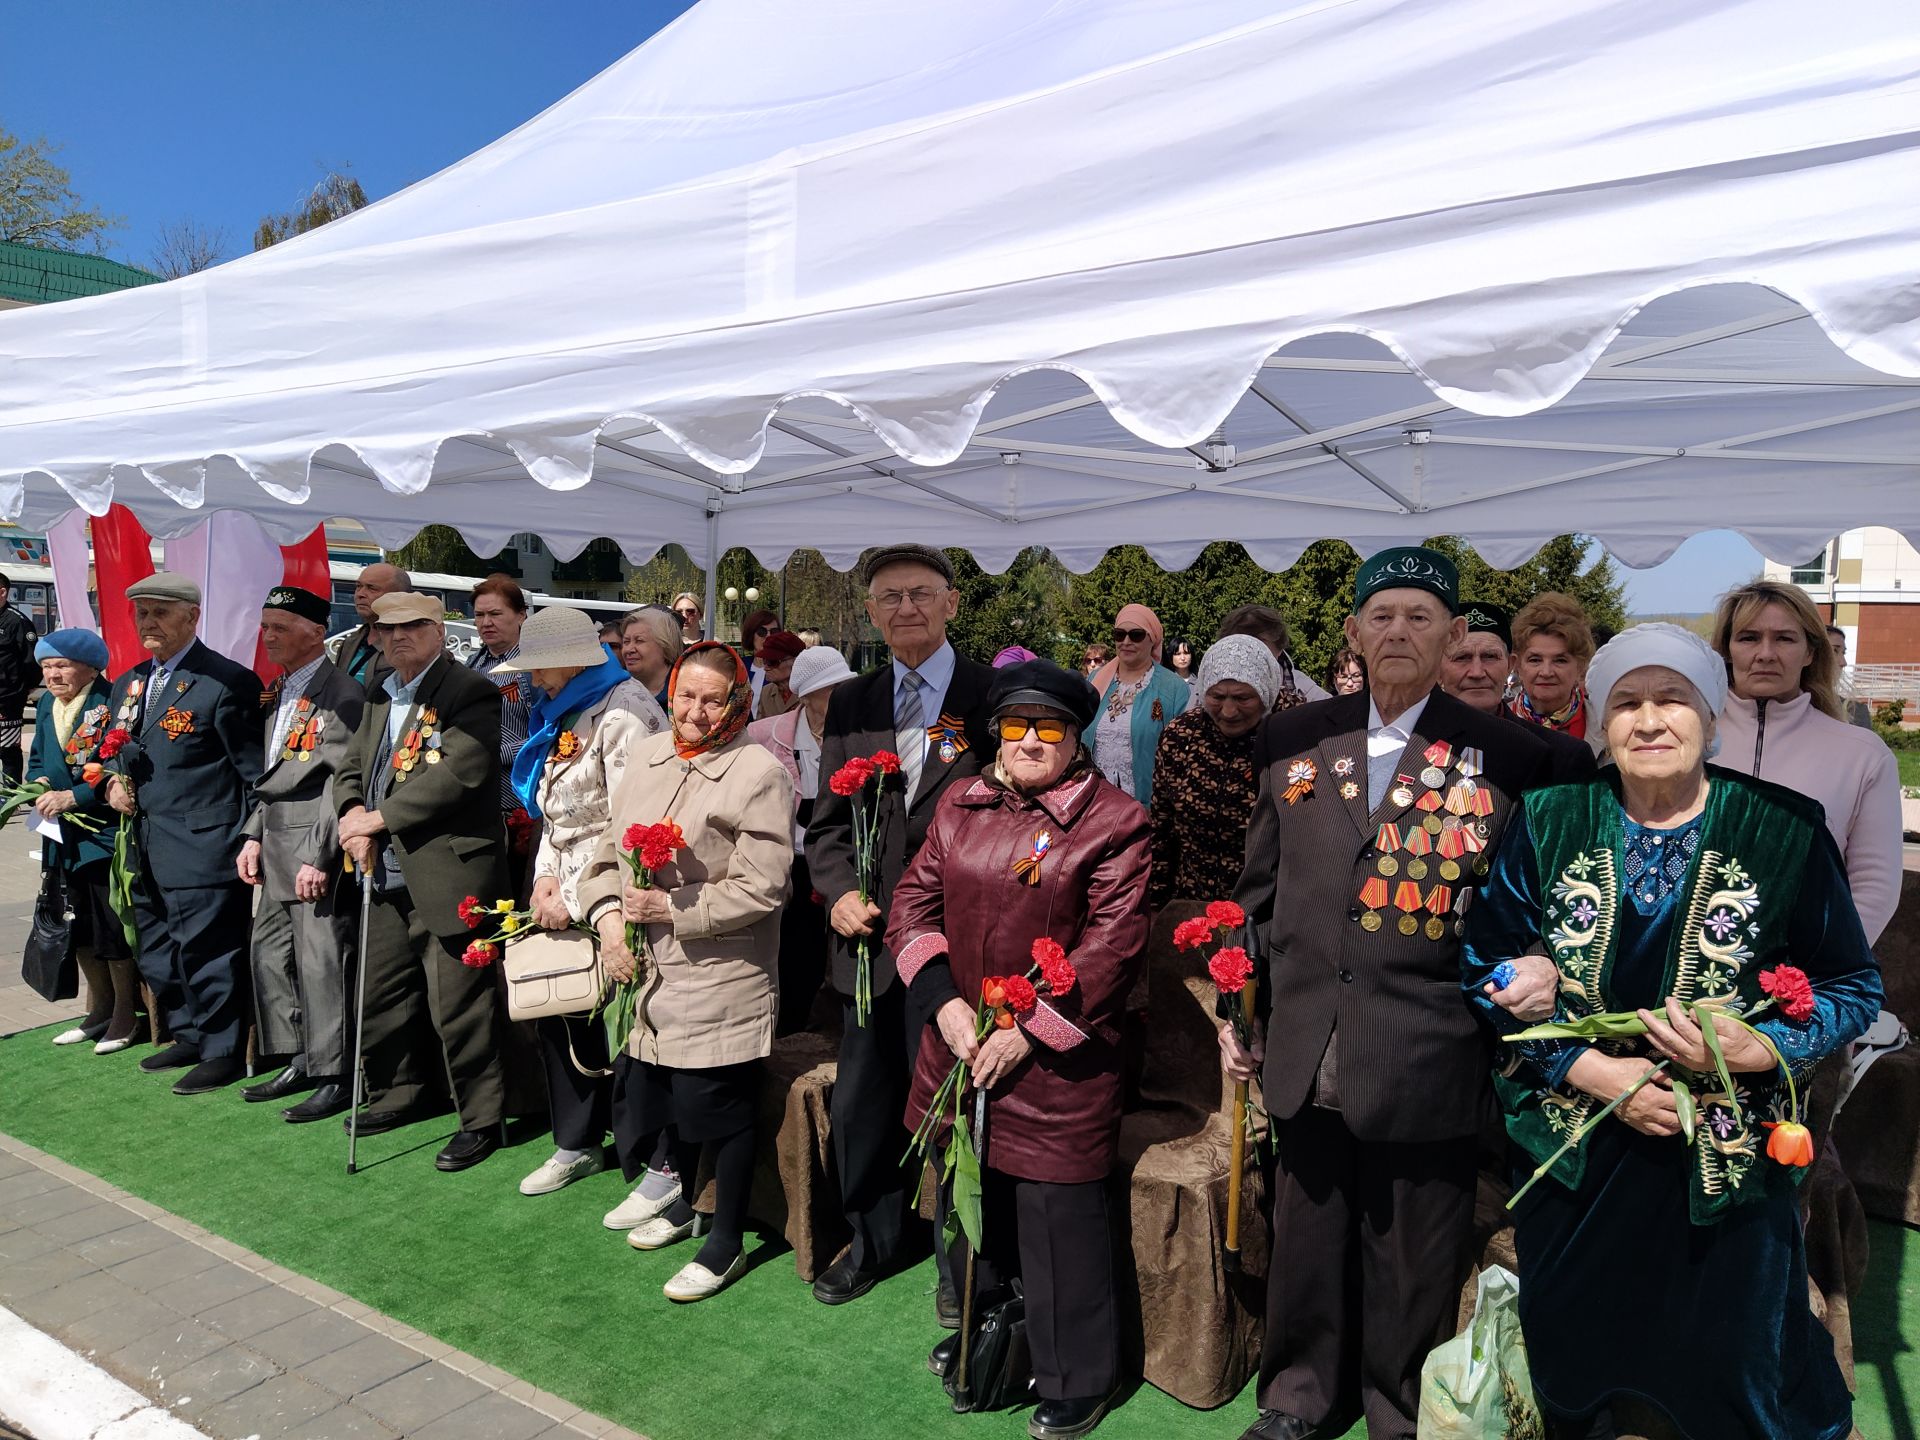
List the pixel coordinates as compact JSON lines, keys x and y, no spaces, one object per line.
{"x":1477,"y":1385}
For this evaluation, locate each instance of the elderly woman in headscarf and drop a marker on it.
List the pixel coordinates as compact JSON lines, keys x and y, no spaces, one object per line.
{"x":586,"y":717}
{"x":1139,"y":697}
{"x":1662,"y":1260}
{"x":70,"y":721}
{"x":1037,"y":849}
{"x":710,"y":919}
{"x":1204,"y":782}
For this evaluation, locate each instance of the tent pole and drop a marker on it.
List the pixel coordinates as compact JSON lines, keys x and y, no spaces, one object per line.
{"x":711,"y":610}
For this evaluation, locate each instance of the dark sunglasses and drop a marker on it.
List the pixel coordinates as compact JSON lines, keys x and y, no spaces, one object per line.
{"x":1051,"y":732}
{"x":403,"y":625}
{"x":689,"y":612}
{"x":764,"y":630}
{"x":1134,"y":635}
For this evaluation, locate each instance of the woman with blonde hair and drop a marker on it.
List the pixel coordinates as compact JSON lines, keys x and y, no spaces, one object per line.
{"x":1552,"y":643}
{"x":1785,"y":722}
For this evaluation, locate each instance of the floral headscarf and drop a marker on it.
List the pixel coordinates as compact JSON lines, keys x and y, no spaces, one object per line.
{"x":733,"y":720}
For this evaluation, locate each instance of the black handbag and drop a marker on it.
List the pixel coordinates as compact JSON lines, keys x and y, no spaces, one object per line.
{"x":999,"y":1365}
{"x":47,"y":964}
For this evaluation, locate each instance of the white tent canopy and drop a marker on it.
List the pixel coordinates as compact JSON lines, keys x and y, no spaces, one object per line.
{"x":996,"y":273}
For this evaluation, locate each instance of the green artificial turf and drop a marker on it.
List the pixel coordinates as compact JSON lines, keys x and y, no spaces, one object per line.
{"x":539,"y":1288}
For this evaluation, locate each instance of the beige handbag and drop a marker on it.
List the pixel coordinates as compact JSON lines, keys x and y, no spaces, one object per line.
{"x":552,"y":972}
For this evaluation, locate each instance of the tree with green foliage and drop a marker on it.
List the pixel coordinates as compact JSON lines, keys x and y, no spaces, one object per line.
{"x":438,"y":549}
{"x":1571,"y":564}
{"x":37,"y":202}
{"x":1021,"y":607}
{"x":337,"y":194}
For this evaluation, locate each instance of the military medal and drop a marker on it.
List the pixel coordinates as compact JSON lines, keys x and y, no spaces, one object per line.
{"x":1472,"y":761}
{"x":1389,"y":865}
{"x":1437,"y":756}
{"x":1300,"y":777}
{"x":1459,"y":800}
{"x":1429,"y":802}
{"x":180,"y":687}
{"x":1402,"y":795}
{"x":1349,"y":790}
{"x":1431,"y":823}
{"x":1373,"y":895}
{"x":1343,"y":766}
{"x":1449,"y":870}
{"x":949,"y":737}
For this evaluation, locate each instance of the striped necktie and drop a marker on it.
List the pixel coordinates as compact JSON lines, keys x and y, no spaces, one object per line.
{"x":910,"y":729}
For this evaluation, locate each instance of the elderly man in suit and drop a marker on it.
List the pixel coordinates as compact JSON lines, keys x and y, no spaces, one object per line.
{"x":357,"y":653}
{"x":1477,"y":671}
{"x":1376,"y":816}
{"x":928,"y":705}
{"x":418,"y":797}
{"x":186,"y":776}
{"x":303,"y":927}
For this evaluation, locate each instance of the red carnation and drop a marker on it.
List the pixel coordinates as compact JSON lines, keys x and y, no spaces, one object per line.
{"x":472,"y":912}
{"x":1192,"y":934}
{"x":1230,"y":969}
{"x":1791,"y":990}
{"x":886,"y":762}
{"x":479,"y":954}
{"x":113,"y":742}
{"x":1224,"y":913}
{"x":635,"y":837}
{"x":1055,"y":969}
{"x":852,"y":777}
{"x":1021,"y":996}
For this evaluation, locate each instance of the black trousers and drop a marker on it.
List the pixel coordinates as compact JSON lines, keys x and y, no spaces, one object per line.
{"x":193,"y":954}
{"x":1057,"y":1240}
{"x":422,"y":1000}
{"x":580,"y":1105}
{"x":803,"y":951}
{"x":1371,"y":1244}
{"x":868,"y":1112}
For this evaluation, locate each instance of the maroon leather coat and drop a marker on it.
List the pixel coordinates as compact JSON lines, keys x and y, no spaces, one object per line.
{"x":1057,"y":1116}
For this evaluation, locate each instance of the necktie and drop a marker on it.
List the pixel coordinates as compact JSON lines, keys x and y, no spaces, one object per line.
{"x":155,"y":685}
{"x":910,"y":729}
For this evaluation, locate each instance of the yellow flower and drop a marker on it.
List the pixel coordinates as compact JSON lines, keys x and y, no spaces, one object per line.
{"x":503,"y":907}
{"x":510,"y":924}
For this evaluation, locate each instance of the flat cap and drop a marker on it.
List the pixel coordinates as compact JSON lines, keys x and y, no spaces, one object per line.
{"x":296,"y":601}
{"x":165,"y":585}
{"x":906,"y":555}
{"x":403,"y":607}
{"x":1041,"y":682}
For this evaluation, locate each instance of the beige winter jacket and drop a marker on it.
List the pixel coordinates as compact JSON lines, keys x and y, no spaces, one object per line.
{"x":710,"y":988}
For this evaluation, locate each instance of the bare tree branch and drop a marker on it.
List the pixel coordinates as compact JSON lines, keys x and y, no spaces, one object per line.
{"x":187,"y":247}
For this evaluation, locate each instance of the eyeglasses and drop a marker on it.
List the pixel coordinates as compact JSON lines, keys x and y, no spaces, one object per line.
{"x":1051,"y":732}
{"x":1134,"y":635}
{"x":403,"y":625}
{"x":921,"y":598}
{"x":764,"y":630}
{"x":688,"y":614}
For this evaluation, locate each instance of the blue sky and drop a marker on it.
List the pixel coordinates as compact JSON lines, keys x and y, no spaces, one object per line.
{"x":220,"y":112}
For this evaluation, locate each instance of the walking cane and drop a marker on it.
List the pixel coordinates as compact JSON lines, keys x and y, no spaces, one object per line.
{"x":1237,"y":1156}
{"x":359,"y":1023}
{"x":962,"y":1381}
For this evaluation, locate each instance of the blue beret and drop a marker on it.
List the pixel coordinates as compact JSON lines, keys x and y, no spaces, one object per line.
{"x":75,"y":644}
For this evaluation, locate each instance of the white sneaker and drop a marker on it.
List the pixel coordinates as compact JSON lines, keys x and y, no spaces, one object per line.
{"x":696,"y":1282}
{"x":111,"y":1047}
{"x":637,"y":1209}
{"x":70,"y":1037}
{"x":554,"y":1175}
{"x":660,"y":1232}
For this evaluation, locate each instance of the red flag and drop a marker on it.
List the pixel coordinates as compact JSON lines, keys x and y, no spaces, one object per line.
{"x":122,"y":556}
{"x":306,"y":567}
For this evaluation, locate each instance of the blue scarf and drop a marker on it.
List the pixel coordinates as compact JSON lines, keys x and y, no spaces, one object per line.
{"x":545,"y":722}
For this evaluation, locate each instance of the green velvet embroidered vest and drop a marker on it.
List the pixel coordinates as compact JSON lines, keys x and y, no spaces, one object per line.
{"x":1730,"y":923}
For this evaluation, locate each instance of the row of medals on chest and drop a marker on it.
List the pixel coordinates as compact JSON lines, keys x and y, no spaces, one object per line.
{"x":1453,"y":824}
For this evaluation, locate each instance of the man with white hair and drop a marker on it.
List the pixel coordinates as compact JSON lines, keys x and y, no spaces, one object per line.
{"x":303,"y":928}
{"x":185,"y":776}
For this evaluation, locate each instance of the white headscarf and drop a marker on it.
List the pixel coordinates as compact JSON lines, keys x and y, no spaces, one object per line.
{"x":1655,"y":643}
{"x":1241,"y":658}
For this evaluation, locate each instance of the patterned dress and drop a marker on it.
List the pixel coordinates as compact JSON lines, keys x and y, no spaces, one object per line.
{"x":1204,"y":788}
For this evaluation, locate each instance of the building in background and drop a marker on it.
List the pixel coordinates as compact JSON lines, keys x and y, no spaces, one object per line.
{"x":1868,"y":583}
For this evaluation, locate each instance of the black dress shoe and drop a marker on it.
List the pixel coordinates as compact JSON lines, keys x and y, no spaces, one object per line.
{"x":330,"y":1097}
{"x":290,"y":1081}
{"x":378,"y":1122}
{"x":843,"y":1281}
{"x":1278,"y":1425}
{"x":940,"y":1359}
{"x":468,"y":1148}
{"x":210,"y":1075}
{"x":946,"y":1306}
{"x":177,"y":1056}
{"x":1066,"y":1419}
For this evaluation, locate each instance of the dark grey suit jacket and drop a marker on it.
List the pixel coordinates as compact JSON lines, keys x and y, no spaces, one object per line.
{"x":293,"y":814}
{"x":1413,"y":1064}
{"x":860,"y":722}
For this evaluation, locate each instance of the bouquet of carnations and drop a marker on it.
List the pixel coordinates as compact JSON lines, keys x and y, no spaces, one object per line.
{"x":860,"y":781}
{"x":508,"y":920}
{"x":1787,"y":989}
{"x":1003,"y":1000}
{"x":649,"y":849}
{"x":1232,"y":974}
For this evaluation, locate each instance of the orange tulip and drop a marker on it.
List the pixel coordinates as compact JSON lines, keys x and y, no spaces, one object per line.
{"x":1003,"y":1020}
{"x":1790,"y":1143}
{"x":993,"y":990}
{"x":93,"y":772}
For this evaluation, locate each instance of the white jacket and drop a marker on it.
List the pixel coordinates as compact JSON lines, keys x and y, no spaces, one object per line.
{"x":1850,"y":771}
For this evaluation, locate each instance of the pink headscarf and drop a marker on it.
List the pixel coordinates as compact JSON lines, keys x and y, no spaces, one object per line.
{"x":1131,"y":617}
